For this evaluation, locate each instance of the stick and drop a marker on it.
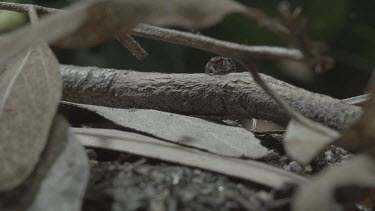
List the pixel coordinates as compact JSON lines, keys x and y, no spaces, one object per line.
{"x":235,"y":95}
{"x":212,"y":45}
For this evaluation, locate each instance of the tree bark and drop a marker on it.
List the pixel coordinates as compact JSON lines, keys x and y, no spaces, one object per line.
{"x":235,"y":95}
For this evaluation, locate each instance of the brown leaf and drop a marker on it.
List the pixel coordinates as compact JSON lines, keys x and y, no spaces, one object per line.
{"x":153,"y":148}
{"x":30,"y":89}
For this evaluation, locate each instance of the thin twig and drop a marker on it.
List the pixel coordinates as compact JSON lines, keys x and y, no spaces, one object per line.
{"x":130,"y":43}
{"x":298,"y":38}
{"x":33,"y":16}
{"x":25,"y":8}
{"x":262,"y":20}
{"x":294,"y":114}
{"x":209,"y":44}
{"x":357,"y":100}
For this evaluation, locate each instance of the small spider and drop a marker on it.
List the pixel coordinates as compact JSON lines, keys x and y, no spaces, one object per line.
{"x":220,"y":66}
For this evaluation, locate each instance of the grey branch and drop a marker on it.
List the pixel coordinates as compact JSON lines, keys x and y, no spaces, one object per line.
{"x":24,"y":8}
{"x":228,"y":49}
{"x":235,"y":95}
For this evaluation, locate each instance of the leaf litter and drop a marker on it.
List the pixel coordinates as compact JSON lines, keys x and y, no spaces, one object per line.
{"x":146,"y":146}
{"x":89,"y":15}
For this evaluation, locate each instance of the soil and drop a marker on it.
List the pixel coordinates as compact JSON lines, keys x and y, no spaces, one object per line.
{"x":123,"y":182}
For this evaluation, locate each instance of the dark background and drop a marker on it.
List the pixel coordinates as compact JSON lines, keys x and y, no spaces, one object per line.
{"x":346,"y":27}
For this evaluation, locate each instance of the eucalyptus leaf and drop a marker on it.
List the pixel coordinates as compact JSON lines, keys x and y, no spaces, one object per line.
{"x":185,"y":130}
{"x":30,"y":90}
{"x":133,"y":143}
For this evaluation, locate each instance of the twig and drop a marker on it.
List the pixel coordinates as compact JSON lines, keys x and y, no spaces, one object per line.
{"x":193,"y":40}
{"x":224,"y":48}
{"x":298,"y":38}
{"x":25,"y":8}
{"x":235,"y":95}
{"x":130,"y":43}
{"x":357,"y":100}
{"x":262,"y":19}
{"x":33,"y":16}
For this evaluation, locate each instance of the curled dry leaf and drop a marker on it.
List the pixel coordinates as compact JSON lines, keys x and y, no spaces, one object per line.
{"x":319,"y":194}
{"x":184,"y":130}
{"x":30,"y":90}
{"x":92,"y":22}
{"x":303,"y":143}
{"x":153,"y":148}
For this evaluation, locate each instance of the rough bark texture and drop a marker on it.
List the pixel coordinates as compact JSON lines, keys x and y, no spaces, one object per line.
{"x":235,"y":94}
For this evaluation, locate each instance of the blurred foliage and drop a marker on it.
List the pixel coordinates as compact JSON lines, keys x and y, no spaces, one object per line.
{"x":10,"y":20}
{"x":346,"y":27}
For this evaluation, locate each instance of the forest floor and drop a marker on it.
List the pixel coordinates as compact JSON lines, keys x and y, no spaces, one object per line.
{"x":124,"y":182}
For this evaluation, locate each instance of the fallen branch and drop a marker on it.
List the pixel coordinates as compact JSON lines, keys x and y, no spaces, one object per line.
{"x":234,"y":95}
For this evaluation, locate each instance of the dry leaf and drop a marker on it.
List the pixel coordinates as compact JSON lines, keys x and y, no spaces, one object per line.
{"x":184,"y":130}
{"x":319,"y":194}
{"x":303,"y":143}
{"x":22,"y":196}
{"x":153,"y":148}
{"x":30,"y":90}
{"x":90,"y":22}
{"x":69,"y":174}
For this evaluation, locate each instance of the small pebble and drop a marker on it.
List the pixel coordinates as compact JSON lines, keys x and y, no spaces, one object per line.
{"x":92,"y":154}
{"x":294,"y":167}
{"x":220,"y":188}
{"x":308,"y":169}
{"x":328,"y":155}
